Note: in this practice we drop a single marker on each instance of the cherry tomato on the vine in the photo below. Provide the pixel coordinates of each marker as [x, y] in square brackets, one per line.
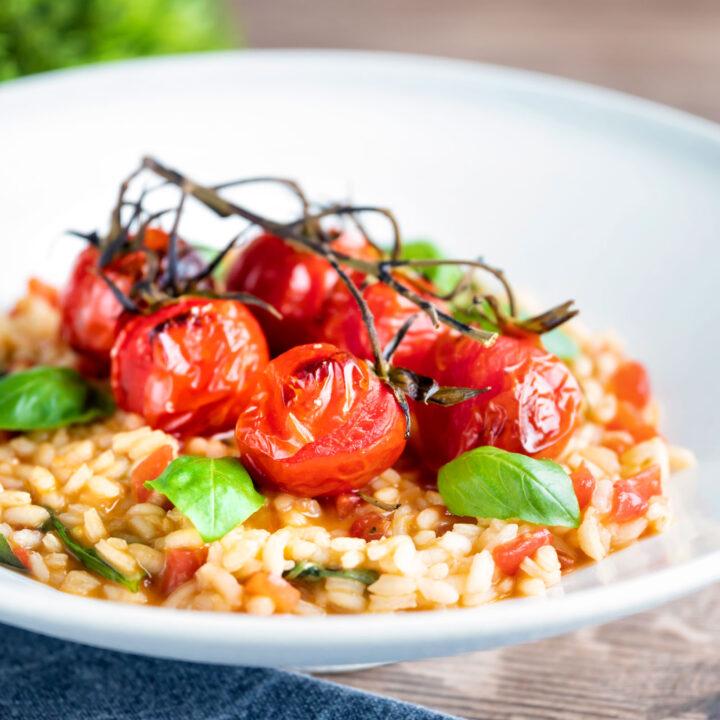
[190, 367]
[531, 406]
[342, 323]
[90, 311]
[320, 423]
[294, 281]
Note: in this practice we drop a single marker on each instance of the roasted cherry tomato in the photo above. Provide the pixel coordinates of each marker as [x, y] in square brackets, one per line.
[630, 382]
[631, 497]
[531, 406]
[320, 423]
[510, 555]
[342, 323]
[90, 311]
[293, 281]
[190, 367]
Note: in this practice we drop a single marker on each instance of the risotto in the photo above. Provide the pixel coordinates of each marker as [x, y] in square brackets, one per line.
[91, 506]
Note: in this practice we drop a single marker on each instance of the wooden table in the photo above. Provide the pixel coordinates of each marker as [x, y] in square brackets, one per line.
[660, 665]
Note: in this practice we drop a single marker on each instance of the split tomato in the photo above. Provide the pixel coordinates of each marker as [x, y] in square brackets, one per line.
[531, 405]
[320, 423]
[90, 311]
[293, 281]
[190, 367]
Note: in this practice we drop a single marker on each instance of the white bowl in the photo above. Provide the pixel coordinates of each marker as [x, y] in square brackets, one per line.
[575, 191]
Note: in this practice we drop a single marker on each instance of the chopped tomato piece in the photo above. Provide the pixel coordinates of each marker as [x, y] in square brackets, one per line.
[282, 593]
[150, 469]
[567, 562]
[47, 292]
[509, 556]
[180, 566]
[630, 418]
[22, 555]
[619, 442]
[370, 526]
[631, 384]
[631, 496]
[346, 503]
[583, 484]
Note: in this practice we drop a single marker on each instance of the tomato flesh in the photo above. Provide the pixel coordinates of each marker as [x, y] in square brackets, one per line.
[631, 497]
[320, 423]
[583, 484]
[630, 383]
[347, 503]
[280, 591]
[630, 418]
[370, 526]
[295, 282]
[150, 469]
[510, 555]
[180, 566]
[531, 407]
[190, 367]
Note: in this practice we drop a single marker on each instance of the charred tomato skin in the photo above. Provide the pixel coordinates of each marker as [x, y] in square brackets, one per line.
[531, 407]
[295, 282]
[342, 323]
[190, 367]
[320, 423]
[90, 313]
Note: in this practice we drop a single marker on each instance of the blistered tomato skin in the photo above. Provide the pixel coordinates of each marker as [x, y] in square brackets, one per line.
[90, 311]
[320, 423]
[531, 406]
[296, 283]
[190, 367]
[342, 323]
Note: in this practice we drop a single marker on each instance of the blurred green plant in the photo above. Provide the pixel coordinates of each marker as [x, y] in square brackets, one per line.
[38, 35]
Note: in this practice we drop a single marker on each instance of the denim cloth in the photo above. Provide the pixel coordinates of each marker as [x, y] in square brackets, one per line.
[46, 679]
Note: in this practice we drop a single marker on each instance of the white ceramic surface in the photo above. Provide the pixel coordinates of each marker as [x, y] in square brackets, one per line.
[575, 191]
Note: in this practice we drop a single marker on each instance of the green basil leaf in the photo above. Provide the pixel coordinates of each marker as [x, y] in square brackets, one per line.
[45, 398]
[444, 277]
[313, 572]
[492, 483]
[216, 494]
[8, 557]
[90, 559]
[560, 344]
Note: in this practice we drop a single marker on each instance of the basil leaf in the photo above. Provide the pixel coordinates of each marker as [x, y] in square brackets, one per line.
[8, 557]
[90, 559]
[216, 494]
[444, 277]
[560, 344]
[45, 398]
[313, 572]
[492, 483]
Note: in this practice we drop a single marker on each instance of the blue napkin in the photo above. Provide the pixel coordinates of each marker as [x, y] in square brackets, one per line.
[46, 679]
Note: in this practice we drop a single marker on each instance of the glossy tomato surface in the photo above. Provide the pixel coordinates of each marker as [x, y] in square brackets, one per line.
[190, 367]
[531, 406]
[320, 423]
[294, 281]
[90, 311]
[342, 323]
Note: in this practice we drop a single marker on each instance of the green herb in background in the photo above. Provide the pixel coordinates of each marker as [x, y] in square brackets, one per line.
[39, 35]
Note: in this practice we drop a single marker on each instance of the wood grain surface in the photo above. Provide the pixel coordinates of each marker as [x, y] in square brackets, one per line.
[664, 664]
